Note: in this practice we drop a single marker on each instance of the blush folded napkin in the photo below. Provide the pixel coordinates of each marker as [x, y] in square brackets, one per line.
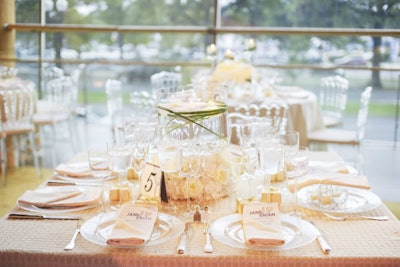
[133, 225]
[261, 224]
[66, 196]
[77, 170]
[332, 178]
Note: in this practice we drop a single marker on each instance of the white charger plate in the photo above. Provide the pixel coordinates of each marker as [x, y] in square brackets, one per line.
[358, 200]
[296, 232]
[98, 229]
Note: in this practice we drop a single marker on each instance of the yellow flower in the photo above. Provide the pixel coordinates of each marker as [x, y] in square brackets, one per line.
[221, 176]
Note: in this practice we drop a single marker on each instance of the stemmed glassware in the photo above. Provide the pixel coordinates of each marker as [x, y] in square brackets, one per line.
[191, 168]
[120, 156]
[270, 158]
[296, 166]
[100, 167]
[250, 163]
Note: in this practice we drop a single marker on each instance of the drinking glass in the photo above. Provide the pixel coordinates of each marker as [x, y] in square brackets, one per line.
[270, 158]
[249, 161]
[120, 156]
[191, 167]
[296, 166]
[290, 141]
[100, 167]
[142, 139]
[170, 161]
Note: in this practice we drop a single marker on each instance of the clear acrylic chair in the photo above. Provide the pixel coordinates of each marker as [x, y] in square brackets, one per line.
[352, 137]
[17, 123]
[333, 99]
[276, 110]
[165, 79]
[56, 112]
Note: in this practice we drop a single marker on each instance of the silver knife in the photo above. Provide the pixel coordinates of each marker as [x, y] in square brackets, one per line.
[57, 182]
[326, 248]
[41, 216]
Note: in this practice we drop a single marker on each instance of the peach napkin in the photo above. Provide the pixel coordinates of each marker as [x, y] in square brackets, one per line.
[133, 225]
[333, 178]
[77, 170]
[262, 225]
[63, 196]
[332, 166]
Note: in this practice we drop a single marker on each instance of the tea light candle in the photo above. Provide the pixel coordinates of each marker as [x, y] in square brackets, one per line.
[229, 54]
[211, 49]
[251, 44]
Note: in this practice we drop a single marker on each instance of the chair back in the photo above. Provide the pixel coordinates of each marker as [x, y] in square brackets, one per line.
[165, 79]
[333, 98]
[17, 107]
[363, 112]
[275, 110]
[235, 122]
[59, 94]
[113, 89]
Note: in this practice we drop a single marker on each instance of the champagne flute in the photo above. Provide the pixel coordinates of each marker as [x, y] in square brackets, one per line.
[296, 166]
[250, 163]
[100, 167]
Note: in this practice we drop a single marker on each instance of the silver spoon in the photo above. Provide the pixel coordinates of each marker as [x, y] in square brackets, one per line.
[71, 244]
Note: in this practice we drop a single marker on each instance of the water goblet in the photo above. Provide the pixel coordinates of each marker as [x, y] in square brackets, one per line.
[120, 156]
[290, 141]
[296, 166]
[170, 161]
[100, 167]
[270, 158]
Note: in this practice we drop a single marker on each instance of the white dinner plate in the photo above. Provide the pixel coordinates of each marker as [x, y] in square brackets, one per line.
[58, 209]
[358, 200]
[296, 232]
[98, 229]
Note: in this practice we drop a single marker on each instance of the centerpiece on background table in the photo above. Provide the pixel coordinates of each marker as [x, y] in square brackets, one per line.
[196, 115]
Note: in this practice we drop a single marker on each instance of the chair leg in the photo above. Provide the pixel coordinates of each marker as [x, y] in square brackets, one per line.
[3, 158]
[35, 153]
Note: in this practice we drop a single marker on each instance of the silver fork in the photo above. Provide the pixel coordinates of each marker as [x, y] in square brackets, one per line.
[342, 218]
[71, 243]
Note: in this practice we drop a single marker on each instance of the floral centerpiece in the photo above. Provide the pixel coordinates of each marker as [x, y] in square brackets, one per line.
[197, 115]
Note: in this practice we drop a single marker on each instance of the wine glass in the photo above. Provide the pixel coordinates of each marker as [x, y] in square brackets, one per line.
[100, 167]
[270, 158]
[191, 167]
[141, 142]
[296, 166]
[120, 156]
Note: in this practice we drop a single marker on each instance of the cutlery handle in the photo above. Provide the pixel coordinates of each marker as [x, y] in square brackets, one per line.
[181, 246]
[71, 243]
[326, 248]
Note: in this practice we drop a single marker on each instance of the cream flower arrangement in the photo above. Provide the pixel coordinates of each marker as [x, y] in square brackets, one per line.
[232, 70]
[216, 180]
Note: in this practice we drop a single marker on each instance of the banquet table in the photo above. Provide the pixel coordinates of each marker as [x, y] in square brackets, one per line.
[40, 242]
[304, 112]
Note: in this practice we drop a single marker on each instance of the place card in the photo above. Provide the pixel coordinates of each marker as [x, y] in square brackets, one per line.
[152, 182]
[262, 224]
[134, 225]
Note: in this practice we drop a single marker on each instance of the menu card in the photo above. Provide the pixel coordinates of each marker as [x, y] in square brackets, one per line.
[262, 224]
[134, 225]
